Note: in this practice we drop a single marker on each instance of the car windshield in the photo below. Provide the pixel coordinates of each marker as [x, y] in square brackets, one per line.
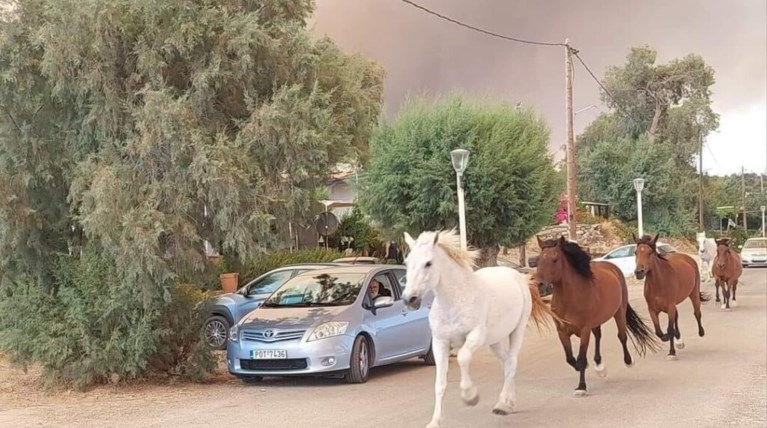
[755, 243]
[326, 289]
[269, 283]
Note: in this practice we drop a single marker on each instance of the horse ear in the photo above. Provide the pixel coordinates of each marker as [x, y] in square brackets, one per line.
[540, 241]
[436, 238]
[562, 240]
[634, 237]
[409, 240]
[655, 239]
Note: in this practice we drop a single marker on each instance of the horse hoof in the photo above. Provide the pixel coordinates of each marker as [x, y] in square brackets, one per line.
[601, 370]
[734, 303]
[630, 364]
[670, 357]
[579, 393]
[724, 306]
[433, 425]
[679, 343]
[503, 409]
[470, 396]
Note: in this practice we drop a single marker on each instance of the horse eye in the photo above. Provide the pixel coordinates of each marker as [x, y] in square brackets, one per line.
[428, 264]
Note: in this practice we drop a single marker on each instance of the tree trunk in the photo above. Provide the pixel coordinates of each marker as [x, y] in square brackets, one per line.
[488, 256]
[522, 256]
[655, 119]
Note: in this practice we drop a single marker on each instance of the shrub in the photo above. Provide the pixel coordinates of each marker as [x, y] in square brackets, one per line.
[275, 259]
[89, 327]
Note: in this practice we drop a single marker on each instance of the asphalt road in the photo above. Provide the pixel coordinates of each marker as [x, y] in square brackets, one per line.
[718, 380]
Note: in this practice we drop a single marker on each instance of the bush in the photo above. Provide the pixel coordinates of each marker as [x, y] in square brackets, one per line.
[89, 327]
[275, 259]
[357, 226]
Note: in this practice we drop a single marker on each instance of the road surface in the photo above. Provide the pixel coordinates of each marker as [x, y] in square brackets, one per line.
[718, 380]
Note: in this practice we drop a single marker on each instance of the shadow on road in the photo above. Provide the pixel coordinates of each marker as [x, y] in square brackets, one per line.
[376, 374]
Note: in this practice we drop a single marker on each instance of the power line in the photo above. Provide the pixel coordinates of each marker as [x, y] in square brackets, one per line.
[471, 27]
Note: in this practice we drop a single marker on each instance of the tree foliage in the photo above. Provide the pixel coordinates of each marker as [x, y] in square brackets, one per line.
[659, 114]
[125, 122]
[509, 185]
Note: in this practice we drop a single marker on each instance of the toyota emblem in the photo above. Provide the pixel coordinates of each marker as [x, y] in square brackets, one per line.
[268, 333]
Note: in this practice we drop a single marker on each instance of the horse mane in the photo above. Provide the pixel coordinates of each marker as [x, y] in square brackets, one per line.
[648, 240]
[579, 259]
[450, 242]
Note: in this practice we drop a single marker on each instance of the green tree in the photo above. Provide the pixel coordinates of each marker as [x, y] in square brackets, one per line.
[659, 114]
[510, 189]
[142, 128]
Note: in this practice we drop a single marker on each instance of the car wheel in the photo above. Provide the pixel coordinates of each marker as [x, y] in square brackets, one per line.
[359, 365]
[216, 332]
[429, 357]
[250, 380]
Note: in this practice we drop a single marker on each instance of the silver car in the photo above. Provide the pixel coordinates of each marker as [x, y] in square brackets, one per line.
[325, 322]
[754, 252]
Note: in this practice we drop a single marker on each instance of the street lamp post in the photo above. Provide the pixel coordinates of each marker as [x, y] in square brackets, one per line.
[460, 159]
[639, 186]
[762, 208]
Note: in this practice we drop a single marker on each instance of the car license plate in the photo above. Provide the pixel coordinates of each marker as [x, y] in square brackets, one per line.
[269, 354]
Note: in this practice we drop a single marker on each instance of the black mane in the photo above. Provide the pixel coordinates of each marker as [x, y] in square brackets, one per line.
[578, 259]
[650, 242]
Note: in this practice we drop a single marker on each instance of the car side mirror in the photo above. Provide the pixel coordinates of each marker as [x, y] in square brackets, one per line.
[383, 302]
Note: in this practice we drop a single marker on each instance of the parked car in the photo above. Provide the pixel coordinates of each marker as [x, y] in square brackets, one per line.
[324, 322]
[358, 260]
[753, 252]
[226, 310]
[624, 258]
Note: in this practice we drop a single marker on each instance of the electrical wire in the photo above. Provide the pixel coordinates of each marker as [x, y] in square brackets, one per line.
[471, 27]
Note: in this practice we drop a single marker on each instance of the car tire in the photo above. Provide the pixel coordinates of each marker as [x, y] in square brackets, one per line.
[216, 330]
[429, 357]
[359, 363]
[251, 380]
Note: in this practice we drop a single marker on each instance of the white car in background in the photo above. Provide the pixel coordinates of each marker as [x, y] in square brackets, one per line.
[754, 252]
[624, 258]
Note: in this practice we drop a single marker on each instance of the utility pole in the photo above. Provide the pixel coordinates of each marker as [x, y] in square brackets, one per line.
[570, 141]
[700, 183]
[743, 187]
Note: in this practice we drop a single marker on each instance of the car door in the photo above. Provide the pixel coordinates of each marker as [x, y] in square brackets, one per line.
[416, 323]
[623, 257]
[387, 322]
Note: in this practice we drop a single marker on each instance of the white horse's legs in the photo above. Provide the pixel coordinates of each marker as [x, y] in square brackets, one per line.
[474, 341]
[508, 352]
[441, 351]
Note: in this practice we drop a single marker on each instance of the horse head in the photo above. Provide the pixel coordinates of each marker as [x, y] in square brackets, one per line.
[645, 253]
[549, 267]
[555, 258]
[430, 256]
[723, 252]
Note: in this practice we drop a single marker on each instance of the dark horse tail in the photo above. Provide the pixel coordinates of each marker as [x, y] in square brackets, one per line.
[641, 335]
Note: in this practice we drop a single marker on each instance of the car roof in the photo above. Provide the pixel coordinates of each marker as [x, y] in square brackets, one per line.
[346, 268]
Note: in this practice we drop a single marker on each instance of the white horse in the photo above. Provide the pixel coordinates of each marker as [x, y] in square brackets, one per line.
[706, 254]
[491, 306]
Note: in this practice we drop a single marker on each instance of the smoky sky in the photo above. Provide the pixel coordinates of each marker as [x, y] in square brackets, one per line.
[425, 55]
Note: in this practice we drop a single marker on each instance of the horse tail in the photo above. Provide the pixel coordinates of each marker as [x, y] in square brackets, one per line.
[641, 335]
[540, 311]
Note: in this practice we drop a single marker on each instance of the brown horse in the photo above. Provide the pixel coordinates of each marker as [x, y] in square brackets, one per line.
[726, 270]
[669, 279]
[586, 295]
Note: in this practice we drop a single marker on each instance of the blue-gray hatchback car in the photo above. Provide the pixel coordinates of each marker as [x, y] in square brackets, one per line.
[333, 321]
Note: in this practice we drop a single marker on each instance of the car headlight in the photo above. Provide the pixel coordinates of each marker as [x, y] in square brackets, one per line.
[329, 329]
[234, 333]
